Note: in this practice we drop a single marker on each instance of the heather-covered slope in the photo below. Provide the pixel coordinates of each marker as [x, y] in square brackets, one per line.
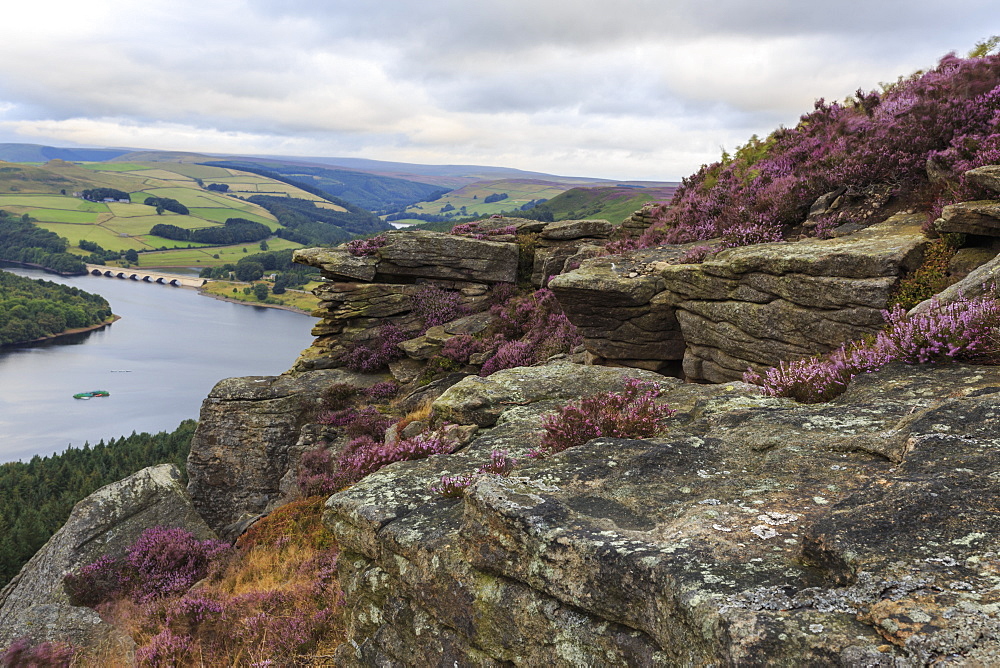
[909, 144]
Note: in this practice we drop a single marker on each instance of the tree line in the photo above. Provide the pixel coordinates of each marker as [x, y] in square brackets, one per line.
[167, 204]
[307, 224]
[234, 231]
[22, 242]
[37, 496]
[31, 309]
[100, 194]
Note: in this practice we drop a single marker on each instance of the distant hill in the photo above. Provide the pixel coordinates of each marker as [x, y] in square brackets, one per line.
[613, 203]
[369, 191]
[47, 196]
[39, 153]
[517, 196]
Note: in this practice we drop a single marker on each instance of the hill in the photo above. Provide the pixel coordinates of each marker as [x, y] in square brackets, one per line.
[211, 195]
[613, 203]
[40, 153]
[369, 191]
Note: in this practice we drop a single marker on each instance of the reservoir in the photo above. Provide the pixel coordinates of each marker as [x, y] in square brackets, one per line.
[158, 362]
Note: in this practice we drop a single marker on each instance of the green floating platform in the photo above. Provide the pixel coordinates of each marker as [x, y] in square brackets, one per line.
[93, 393]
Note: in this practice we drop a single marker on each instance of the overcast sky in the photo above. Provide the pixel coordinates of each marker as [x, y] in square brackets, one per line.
[621, 89]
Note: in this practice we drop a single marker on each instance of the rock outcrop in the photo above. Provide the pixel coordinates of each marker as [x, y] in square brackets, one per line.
[980, 217]
[753, 531]
[565, 244]
[247, 441]
[34, 603]
[747, 306]
[364, 293]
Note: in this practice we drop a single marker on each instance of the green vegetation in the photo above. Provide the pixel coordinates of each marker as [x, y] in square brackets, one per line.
[22, 242]
[36, 497]
[166, 204]
[235, 230]
[32, 309]
[308, 224]
[613, 203]
[101, 194]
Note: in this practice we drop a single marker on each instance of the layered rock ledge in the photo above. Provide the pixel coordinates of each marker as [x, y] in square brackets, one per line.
[747, 306]
[754, 531]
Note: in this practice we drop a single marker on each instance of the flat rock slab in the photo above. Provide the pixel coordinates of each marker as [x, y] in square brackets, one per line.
[419, 253]
[981, 217]
[879, 250]
[754, 531]
[987, 176]
[577, 229]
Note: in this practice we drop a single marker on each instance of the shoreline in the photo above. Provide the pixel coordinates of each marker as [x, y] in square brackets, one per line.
[282, 307]
[69, 332]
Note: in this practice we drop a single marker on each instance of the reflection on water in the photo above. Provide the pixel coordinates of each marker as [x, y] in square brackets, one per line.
[174, 345]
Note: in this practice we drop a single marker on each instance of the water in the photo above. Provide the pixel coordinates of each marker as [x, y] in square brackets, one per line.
[158, 362]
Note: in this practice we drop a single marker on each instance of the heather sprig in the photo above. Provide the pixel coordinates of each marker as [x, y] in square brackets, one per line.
[631, 413]
[369, 246]
[364, 456]
[963, 330]
[23, 653]
[162, 562]
[436, 306]
[377, 353]
[529, 328]
[500, 464]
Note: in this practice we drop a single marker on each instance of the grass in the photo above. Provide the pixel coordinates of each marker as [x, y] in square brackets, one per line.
[62, 202]
[203, 257]
[61, 216]
[222, 215]
[137, 225]
[303, 301]
[114, 166]
[278, 578]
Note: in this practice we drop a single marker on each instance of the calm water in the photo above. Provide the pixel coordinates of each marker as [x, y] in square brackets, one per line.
[158, 362]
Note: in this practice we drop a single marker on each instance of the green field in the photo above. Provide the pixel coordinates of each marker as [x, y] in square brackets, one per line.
[62, 202]
[114, 166]
[136, 225]
[104, 237]
[194, 257]
[222, 215]
[519, 193]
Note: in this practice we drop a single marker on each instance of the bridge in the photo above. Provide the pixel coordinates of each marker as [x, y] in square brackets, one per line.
[145, 276]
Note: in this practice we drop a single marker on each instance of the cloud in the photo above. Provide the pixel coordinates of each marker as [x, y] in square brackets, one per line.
[627, 89]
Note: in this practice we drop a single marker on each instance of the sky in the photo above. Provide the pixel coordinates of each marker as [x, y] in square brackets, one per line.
[617, 89]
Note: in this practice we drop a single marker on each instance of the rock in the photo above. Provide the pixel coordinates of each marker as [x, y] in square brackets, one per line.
[35, 604]
[480, 401]
[981, 217]
[877, 251]
[419, 253]
[980, 281]
[967, 260]
[987, 176]
[753, 531]
[565, 230]
[752, 305]
[241, 449]
[337, 263]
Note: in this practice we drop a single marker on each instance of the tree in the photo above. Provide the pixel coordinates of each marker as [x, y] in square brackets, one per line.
[260, 291]
[132, 256]
[280, 283]
[249, 271]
